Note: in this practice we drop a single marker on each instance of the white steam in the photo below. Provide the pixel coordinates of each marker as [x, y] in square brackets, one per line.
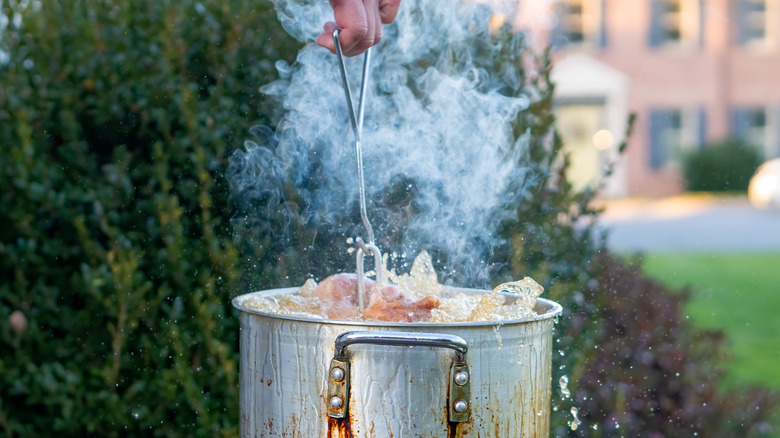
[433, 116]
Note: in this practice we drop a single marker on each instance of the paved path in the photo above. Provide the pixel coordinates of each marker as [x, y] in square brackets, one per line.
[690, 223]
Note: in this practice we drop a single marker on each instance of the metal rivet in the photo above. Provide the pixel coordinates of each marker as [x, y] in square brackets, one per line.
[460, 406]
[336, 402]
[337, 374]
[461, 378]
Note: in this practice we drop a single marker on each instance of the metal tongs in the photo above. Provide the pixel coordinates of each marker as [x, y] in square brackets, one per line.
[363, 248]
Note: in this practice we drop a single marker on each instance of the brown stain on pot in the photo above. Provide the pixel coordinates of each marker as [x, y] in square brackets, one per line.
[339, 428]
[342, 428]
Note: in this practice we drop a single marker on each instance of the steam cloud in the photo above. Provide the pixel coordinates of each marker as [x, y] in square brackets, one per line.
[434, 117]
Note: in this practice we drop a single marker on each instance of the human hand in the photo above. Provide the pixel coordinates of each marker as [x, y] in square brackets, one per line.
[360, 23]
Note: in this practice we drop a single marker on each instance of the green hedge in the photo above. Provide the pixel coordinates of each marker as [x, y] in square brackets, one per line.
[725, 166]
[117, 119]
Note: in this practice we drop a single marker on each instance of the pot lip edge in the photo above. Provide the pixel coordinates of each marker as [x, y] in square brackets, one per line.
[554, 311]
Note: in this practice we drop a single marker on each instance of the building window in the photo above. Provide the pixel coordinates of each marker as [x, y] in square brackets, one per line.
[752, 21]
[749, 125]
[676, 23]
[580, 24]
[673, 132]
[758, 127]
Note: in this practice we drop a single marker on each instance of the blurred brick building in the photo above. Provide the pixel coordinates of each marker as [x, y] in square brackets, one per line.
[693, 71]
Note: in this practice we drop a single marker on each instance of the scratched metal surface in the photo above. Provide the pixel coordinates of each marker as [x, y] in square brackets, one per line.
[395, 391]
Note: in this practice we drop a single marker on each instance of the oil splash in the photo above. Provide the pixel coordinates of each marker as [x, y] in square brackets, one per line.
[563, 384]
[575, 422]
[507, 301]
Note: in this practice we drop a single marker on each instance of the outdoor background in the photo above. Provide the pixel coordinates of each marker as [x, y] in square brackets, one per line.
[122, 241]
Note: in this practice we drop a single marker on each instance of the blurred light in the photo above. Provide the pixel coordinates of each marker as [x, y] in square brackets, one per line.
[496, 22]
[764, 189]
[603, 140]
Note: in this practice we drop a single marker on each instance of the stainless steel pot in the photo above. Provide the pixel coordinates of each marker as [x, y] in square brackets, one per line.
[308, 377]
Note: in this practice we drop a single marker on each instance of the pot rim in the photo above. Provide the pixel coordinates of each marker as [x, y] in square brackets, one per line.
[550, 309]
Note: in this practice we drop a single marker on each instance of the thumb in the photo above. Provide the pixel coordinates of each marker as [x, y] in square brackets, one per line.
[388, 9]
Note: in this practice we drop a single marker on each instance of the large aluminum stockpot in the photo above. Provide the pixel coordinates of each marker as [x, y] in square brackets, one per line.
[309, 377]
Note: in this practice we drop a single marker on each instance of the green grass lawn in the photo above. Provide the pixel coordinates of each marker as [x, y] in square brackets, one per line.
[738, 293]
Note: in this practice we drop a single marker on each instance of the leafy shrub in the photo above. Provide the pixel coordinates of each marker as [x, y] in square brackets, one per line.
[116, 258]
[653, 374]
[721, 167]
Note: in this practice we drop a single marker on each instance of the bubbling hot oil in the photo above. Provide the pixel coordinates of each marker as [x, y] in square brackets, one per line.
[507, 301]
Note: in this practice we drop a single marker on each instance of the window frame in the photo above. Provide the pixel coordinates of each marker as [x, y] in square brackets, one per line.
[744, 130]
[691, 134]
[770, 13]
[690, 20]
[592, 24]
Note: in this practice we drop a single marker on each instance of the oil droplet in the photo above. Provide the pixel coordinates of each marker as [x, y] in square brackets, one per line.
[563, 384]
[499, 340]
[575, 423]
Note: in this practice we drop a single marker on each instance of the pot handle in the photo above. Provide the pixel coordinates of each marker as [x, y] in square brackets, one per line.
[459, 387]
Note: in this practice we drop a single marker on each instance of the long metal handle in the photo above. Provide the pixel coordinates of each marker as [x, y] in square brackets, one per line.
[357, 125]
[459, 387]
[357, 128]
